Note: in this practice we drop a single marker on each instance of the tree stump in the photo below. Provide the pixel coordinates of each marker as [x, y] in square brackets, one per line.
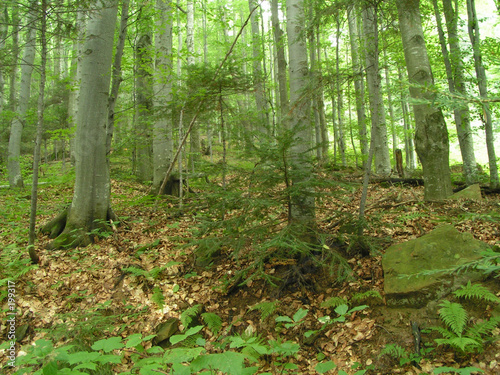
[399, 163]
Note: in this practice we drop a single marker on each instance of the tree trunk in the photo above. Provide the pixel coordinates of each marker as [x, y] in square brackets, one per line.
[302, 211]
[456, 83]
[163, 145]
[338, 89]
[3, 37]
[144, 105]
[359, 89]
[431, 135]
[279, 41]
[90, 207]
[194, 136]
[377, 110]
[39, 132]
[482, 83]
[16, 129]
[260, 99]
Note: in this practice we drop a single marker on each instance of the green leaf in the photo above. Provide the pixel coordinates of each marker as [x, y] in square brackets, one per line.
[325, 367]
[176, 288]
[280, 319]
[108, 345]
[109, 358]
[191, 331]
[342, 309]
[80, 357]
[300, 314]
[133, 340]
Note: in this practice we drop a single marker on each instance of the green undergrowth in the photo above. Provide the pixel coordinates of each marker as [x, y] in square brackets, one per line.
[86, 351]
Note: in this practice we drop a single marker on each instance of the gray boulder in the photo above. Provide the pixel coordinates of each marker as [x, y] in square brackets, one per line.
[444, 248]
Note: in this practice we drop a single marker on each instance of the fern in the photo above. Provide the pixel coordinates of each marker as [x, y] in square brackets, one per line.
[476, 291]
[158, 297]
[266, 308]
[213, 322]
[393, 350]
[333, 302]
[189, 315]
[454, 316]
[358, 297]
[478, 330]
[465, 344]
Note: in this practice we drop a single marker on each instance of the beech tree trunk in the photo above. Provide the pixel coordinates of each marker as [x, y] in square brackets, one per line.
[90, 207]
[302, 210]
[482, 84]
[279, 41]
[456, 83]
[163, 146]
[377, 110]
[16, 128]
[359, 88]
[431, 135]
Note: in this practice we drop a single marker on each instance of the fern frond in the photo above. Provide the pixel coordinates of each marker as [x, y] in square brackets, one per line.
[333, 302]
[158, 297]
[444, 332]
[189, 314]
[365, 295]
[476, 291]
[478, 330]
[213, 322]
[393, 350]
[454, 316]
[465, 344]
[266, 308]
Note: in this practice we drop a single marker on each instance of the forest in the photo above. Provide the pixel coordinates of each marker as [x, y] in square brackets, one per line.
[249, 187]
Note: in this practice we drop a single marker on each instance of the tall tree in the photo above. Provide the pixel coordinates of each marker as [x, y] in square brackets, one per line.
[163, 146]
[431, 134]
[16, 128]
[90, 207]
[279, 41]
[260, 98]
[377, 110]
[359, 88]
[482, 84]
[456, 83]
[302, 210]
[144, 96]
[3, 38]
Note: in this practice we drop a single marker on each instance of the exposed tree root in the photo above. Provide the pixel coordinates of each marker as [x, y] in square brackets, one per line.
[67, 237]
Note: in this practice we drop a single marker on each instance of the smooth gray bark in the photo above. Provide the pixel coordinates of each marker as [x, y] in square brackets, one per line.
[456, 84]
[90, 206]
[302, 210]
[482, 84]
[377, 109]
[194, 136]
[16, 128]
[359, 88]
[144, 106]
[431, 134]
[163, 145]
[257, 57]
[279, 41]
[3, 35]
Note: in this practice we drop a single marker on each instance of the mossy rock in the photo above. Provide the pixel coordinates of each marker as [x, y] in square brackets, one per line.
[411, 269]
[470, 192]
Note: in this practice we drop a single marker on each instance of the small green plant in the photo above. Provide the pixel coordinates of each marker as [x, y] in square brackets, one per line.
[457, 334]
[459, 371]
[266, 308]
[404, 357]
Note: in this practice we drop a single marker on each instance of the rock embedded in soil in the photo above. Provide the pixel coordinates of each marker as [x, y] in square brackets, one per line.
[407, 280]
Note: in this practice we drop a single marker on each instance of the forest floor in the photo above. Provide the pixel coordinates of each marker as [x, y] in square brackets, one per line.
[85, 294]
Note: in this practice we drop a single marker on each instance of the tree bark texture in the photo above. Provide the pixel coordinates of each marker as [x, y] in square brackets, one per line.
[302, 210]
[16, 129]
[359, 88]
[456, 83]
[482, 84]
[163, 146]
[431, 134]
[377, 110]
[90, 207]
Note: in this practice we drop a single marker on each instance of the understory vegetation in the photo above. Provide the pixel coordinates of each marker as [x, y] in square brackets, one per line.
[205, 283]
